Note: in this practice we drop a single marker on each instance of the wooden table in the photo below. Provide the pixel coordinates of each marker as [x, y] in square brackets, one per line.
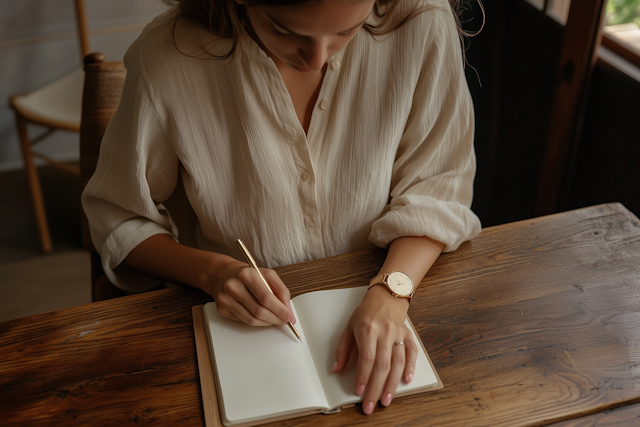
[530, 323]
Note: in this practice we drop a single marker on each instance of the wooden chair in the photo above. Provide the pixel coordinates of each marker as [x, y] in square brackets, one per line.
[55, 106]
[103, 85]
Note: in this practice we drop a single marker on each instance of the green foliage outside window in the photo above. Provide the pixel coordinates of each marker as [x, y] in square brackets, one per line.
[623, 12]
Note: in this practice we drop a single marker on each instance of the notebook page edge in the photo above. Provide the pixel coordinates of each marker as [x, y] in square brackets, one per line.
[239, 422]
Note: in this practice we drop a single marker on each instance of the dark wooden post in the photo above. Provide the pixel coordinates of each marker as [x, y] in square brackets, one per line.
[582, 37]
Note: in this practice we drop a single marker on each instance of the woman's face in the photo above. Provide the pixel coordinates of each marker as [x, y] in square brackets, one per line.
[305, 36]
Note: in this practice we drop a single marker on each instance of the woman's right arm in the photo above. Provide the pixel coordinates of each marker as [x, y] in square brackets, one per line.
[237, 288]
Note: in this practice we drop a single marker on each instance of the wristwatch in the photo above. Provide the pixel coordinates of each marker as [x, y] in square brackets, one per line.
[399, 283]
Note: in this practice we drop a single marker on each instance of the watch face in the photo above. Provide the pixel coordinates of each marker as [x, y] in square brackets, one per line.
[400, 283]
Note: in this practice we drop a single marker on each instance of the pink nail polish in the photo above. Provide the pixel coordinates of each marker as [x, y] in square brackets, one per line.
[368, 408]
[360, 390]
[335, 365]
[409, 378]
[386, 399]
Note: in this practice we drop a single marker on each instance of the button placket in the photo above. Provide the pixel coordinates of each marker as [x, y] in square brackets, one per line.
[334, 65]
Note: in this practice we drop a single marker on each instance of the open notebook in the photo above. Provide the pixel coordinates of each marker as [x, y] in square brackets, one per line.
[266, 374]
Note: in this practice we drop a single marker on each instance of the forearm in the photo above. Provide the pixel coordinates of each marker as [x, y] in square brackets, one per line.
[377, 327]
[164, 259]
[413, 256]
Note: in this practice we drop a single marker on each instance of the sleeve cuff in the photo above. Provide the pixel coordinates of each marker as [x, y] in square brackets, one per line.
[120, 243]
[447, 222]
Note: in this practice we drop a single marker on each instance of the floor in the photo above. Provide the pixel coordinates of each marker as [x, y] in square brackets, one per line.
[32, 282]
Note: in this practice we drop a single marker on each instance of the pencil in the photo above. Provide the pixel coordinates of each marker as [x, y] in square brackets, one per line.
[252, 263]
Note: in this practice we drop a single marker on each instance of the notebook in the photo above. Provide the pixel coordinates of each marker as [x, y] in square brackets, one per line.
[264, 374]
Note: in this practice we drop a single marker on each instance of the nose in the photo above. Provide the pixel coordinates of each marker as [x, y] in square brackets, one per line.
[314, 54]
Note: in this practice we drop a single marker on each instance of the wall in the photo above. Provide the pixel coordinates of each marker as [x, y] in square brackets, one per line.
[38, 44]
[607, 157]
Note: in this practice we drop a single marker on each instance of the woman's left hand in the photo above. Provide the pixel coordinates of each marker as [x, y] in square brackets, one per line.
[376, 328]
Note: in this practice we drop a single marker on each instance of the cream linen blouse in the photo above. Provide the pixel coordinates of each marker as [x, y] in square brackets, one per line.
[389, 151]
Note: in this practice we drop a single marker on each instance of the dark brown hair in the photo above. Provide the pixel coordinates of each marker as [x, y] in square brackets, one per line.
[225, 18]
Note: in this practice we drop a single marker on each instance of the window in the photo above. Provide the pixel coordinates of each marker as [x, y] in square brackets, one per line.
[557, 9]
[621, 32]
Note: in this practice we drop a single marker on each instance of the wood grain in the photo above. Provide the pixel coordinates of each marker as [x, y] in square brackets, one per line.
[627, 416]
[529, 324]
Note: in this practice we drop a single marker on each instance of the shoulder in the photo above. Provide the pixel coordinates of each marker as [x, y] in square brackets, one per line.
[430, 24]
[168, 45]
[433, 19]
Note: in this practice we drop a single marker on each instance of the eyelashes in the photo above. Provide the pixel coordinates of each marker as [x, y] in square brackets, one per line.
[280, 34]
[275, 31]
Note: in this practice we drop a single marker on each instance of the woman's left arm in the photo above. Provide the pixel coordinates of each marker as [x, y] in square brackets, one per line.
[431, 189]
[378, 323]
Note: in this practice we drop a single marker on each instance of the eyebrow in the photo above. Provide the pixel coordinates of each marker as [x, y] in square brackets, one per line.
[292, 32]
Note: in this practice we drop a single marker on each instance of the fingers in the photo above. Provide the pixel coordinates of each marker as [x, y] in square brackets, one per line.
[247, 298]
[232, 309]
[401, 355]
[412, 356]
[381, 368]
[345, 348]
[379, 375]
[281, 292]
[366, 339]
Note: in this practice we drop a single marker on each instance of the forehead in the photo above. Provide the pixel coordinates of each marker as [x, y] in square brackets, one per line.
[319, 17]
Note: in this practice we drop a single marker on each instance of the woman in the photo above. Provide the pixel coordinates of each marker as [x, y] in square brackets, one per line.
[297, 131]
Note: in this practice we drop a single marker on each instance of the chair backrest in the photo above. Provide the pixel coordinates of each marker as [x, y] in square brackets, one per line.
[103, 85]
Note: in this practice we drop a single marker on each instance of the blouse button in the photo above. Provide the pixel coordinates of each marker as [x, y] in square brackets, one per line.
[308, 222]
[324, 104]
[306, 176]
[335, 64]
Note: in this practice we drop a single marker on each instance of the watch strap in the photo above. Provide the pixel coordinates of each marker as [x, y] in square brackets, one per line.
[380, 278]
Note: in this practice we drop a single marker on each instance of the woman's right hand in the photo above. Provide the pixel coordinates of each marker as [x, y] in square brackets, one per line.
[241, 295]
[239, 292]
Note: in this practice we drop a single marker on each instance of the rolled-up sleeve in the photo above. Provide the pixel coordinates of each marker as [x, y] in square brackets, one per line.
[137, 170]
[433, 172]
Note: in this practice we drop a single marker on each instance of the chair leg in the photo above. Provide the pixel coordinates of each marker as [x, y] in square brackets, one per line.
[34, 184]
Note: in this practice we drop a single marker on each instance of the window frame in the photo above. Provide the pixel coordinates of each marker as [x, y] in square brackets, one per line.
[621, 49]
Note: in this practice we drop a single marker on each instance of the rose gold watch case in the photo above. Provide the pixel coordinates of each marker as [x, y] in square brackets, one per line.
[395, 281]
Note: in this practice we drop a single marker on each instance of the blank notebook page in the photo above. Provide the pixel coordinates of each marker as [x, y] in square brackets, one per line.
[262, 370]
[325, 315]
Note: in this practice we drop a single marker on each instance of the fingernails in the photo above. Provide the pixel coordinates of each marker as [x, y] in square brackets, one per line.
[291, 319]
[386, 399]
[409, 378]
[335, 365]
[360, 390]
[367, 408]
